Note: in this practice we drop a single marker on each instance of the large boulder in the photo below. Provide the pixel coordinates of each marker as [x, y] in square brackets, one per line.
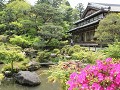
[27, 78]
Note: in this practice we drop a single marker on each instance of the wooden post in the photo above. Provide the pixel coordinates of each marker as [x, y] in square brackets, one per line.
[85, 36]
[95, 47]
[89, 47]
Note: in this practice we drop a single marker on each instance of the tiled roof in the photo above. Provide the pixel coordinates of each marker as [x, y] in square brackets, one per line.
[101, 7]
[111, 7]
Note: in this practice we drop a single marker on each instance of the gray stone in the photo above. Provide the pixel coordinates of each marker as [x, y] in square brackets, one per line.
[53, 55]
[68, 57]
[1, 62]
[7, 73]
[27, 78]
[33, 66]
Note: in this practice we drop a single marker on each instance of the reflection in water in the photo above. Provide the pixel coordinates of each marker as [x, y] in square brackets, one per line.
[45, 85]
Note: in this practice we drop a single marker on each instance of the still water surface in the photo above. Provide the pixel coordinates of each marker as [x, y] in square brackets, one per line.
[45, 85]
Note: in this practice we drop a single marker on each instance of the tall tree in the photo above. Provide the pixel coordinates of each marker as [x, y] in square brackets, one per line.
[2, 5]
[108, 30]
[80, 8]
[13, 14]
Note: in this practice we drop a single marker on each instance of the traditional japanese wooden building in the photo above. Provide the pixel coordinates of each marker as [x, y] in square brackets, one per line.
[84, 30]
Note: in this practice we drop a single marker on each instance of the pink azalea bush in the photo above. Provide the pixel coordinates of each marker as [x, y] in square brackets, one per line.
[105, 75]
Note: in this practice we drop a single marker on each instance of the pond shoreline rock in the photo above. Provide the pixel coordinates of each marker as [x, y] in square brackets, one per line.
[1, 62]
[33, 66]
[27, 78]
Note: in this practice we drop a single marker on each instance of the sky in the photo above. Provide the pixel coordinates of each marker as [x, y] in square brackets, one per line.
[73, 3]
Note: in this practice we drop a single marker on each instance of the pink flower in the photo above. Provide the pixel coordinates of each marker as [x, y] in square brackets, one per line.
[100, 77]
[117, 79]
[85, 87]
[108, 60]
[105, 75]
[73, 75]
[96, 86]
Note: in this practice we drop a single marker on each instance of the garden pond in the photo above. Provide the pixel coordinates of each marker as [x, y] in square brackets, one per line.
[45, 85]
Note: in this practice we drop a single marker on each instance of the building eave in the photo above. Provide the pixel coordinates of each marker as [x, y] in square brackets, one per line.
[80, 27]
[100, 11]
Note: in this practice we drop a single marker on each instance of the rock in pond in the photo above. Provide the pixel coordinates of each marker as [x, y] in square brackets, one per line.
[27, 78]
[33, 66]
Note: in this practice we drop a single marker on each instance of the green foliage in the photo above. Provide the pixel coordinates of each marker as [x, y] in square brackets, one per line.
[17, 67]
[9, 47]
[62, 71]
[19, 5]
[8, 56]
[80, 9]
[43, 56]
[20, 41]
[113, 51]
[56, 51]
[108, 30]
[2, 27]
[54, 43]
[50, 31]
[10, 53]
[69, 50]
[1, 77]
[88, 57]
[50, 34]
[46, 13]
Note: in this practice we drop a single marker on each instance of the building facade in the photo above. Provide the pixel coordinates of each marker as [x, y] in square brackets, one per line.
[84, 30]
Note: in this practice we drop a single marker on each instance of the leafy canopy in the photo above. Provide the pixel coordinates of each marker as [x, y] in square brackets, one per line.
[108, 30]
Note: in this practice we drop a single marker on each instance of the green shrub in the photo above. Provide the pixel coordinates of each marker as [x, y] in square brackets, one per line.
[1, 77]
[69, 50]
[88, 57]
[63, 43]
[8, 56]
[73, 49]
[62, 71]
[20, 41]
[43, 56]
[65, 49]
[78, 55]
[9, 47]
[56, 51]
[16, 67]
[113, 51]
[54, 42]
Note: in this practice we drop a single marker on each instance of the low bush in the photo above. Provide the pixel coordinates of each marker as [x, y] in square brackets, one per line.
[16, 67]
[56, 51]
[43, 56]
[113, 50]
[20, 41]
[69, 50]
[8, 56]
[62, 71]
[1, 77]
[9, 47]
[88, 57]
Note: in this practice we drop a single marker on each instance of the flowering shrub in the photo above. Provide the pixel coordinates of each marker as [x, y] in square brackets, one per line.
[105, 75]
